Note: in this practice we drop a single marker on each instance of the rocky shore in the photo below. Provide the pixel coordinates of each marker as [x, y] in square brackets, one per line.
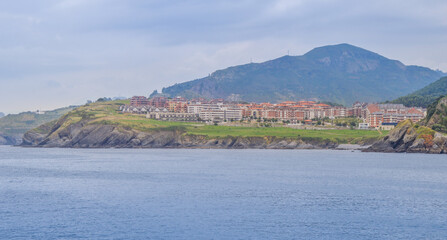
[84, 135]
[9, 140]
[411, 138]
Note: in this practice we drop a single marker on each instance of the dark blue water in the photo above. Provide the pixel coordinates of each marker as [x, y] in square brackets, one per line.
[221, 194]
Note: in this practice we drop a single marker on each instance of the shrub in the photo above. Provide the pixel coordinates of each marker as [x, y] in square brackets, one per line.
[428, 140]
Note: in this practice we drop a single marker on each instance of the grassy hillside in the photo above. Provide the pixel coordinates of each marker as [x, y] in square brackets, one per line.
[107, 113]
[425, 96]
[17, 124]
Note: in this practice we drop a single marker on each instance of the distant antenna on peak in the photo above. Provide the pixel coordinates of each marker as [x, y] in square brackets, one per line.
[288, 53]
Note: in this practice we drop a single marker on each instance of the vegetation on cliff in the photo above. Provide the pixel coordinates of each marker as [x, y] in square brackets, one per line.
[437, 115]
[412, 138]
[424, 137]
[13, 126]
[22, 122]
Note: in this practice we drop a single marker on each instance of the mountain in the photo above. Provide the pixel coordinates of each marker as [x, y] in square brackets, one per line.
[13, 126]
[2, 114]
[338, 73]
[426, 95]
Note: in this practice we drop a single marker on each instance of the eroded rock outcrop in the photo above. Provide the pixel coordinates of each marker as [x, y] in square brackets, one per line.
[411, 138]
[85, 135]
[9, 140]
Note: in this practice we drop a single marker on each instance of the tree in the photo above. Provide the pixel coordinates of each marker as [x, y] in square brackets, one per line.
[104, 99]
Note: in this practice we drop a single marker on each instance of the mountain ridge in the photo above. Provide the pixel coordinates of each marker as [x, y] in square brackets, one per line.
[340, 73]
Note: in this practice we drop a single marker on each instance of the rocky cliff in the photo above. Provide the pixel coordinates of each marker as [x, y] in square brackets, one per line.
[411, 138]
[437, 115]
[13, 126]
[9, 140]
[85, 135]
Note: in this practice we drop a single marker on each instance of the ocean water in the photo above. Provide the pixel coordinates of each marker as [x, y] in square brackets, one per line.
[220, 194]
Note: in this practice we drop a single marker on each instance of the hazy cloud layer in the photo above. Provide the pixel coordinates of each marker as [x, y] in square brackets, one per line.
[57, 53]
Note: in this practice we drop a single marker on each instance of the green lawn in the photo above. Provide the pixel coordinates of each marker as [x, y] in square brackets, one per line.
[333, 135]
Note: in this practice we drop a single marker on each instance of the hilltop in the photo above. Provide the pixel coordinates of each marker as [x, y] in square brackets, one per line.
[425, 96]
[338, 73]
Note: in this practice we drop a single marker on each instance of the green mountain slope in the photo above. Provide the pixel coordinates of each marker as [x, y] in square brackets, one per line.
[17, 124]
[425, 96]
[338, 73]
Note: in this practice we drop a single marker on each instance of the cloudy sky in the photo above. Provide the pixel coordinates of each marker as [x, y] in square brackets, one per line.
[56, 53]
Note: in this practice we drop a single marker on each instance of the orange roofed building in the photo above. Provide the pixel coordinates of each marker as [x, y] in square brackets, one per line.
[378, 114]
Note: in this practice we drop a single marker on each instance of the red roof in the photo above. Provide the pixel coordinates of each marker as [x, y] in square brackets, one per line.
[322, 105]
[414, 111]
[373, 108]
[288, 102]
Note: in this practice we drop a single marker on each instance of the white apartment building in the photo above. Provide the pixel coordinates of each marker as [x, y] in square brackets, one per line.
[223, 113]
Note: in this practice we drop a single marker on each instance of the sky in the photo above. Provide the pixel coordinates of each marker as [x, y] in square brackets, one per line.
[55, 53]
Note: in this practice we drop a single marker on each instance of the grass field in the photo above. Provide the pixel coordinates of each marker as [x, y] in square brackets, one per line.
[107, 113]
[332, 135]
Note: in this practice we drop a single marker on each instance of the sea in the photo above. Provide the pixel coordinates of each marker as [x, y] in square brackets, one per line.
[220, 194]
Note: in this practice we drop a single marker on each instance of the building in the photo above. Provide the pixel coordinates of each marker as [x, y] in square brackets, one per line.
[139, 101]
[158, 102]
[224, 114]
[363, 126]
[387, 126]
[379, 114]
[373, 115]
[177, 106]
[170, 116]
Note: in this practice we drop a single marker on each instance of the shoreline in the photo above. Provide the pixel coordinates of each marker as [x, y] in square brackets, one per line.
[347, 147]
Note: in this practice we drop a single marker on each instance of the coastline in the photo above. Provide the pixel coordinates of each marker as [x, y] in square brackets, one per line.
[342, 147]
[84, 135]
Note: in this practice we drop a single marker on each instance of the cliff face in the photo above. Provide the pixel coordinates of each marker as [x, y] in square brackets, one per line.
[437, 115]
[84, 135]
[411, 138]
[9, 140]
[13, 126]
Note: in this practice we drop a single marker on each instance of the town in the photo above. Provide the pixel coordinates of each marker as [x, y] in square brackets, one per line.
[368, 115]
